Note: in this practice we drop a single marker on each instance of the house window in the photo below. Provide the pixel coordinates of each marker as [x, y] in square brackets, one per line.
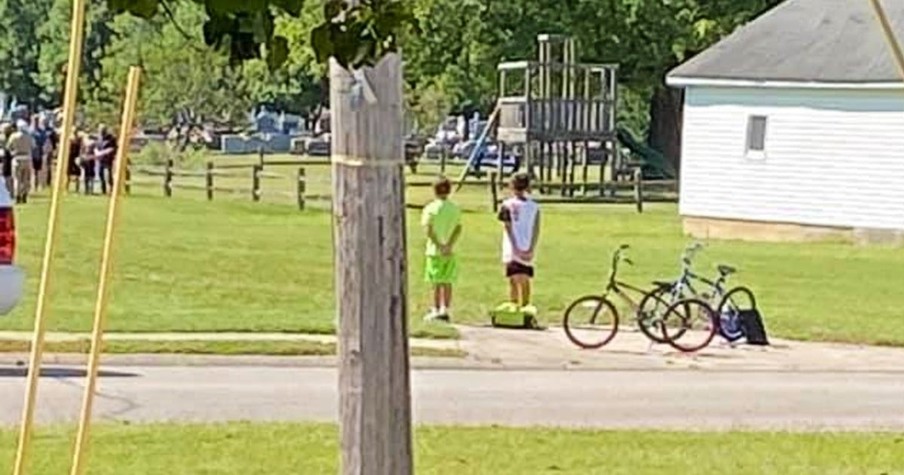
[756, 136]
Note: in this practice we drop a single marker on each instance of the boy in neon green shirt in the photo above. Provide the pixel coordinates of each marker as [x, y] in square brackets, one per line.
[442, 224]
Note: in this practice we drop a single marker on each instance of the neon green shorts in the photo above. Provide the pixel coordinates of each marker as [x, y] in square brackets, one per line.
[441, 270]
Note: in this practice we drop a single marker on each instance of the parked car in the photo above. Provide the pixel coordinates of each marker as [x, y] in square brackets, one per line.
[12, 279]
[319, 146]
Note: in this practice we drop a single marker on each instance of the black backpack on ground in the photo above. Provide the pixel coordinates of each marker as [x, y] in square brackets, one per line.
[754, 329]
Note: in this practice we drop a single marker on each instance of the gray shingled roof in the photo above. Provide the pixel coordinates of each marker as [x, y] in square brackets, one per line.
[805, 40]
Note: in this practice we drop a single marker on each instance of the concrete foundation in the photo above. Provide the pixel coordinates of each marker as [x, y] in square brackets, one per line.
[715, 228]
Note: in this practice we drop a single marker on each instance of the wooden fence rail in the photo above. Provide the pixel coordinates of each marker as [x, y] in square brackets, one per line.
[637, 186]
[257, 175]
[635, 190]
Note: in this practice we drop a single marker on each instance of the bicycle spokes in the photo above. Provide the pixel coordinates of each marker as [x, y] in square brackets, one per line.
[689, 325]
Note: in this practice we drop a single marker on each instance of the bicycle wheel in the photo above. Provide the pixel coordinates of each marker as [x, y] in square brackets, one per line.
[697, 321]
[651, 315]
[591, 322]
[729, 313]
[651, 312]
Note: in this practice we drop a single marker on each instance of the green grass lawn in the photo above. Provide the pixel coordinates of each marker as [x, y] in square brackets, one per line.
[184, 264]
[275, 449]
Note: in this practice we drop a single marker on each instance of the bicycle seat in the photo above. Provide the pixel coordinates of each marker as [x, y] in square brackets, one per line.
[662, 284]
[726, 270]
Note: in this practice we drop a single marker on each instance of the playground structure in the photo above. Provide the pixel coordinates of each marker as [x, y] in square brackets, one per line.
[559, 114]
[559, 118]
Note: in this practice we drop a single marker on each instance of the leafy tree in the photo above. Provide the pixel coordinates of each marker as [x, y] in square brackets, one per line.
[20, 47]
[298, 86]
[181, 73]
[53, 35]
[452, 60]
[354, 35]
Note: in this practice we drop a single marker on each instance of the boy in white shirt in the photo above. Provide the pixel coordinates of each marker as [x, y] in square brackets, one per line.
[520, 216]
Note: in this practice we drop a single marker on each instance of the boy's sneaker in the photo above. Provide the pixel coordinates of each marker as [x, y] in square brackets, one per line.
[436, 316]
[529, 310]
[444, 315]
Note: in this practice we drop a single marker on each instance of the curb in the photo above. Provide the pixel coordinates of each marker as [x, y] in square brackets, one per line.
[20, 360]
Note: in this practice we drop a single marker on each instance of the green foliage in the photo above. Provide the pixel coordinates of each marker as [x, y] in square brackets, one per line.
[298, 86]
[20, 47]
[53, 36]
[180, 72]
[355, 35]
[359, 35]
[451, 48]
[157, 154]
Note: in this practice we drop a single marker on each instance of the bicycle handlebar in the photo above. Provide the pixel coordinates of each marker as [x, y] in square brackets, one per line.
[690, 251]
[617, 257]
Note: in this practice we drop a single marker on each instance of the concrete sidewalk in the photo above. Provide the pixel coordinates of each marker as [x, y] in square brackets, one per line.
[630, 349]
[489, 348]
[442, 344]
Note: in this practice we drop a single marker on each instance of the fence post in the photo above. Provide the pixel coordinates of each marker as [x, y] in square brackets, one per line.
[442, 162]
[500, 156]
[209, 177]
[127, 185]
[256, 182]
[638, 189]
[168, 179]
[302, 188]
[260, 156]
[494, 191]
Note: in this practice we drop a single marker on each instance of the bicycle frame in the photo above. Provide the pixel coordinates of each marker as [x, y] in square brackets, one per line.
[688, 277]
[617, 287]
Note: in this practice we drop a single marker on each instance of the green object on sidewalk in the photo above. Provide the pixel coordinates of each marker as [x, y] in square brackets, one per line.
[508, 315]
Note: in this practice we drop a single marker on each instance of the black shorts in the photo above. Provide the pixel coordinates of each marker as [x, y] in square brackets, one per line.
[37, 163]
[88, 168]
[74, 168]
[517, 268]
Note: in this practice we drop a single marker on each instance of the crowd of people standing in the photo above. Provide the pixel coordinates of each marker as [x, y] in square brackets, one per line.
[28, 152]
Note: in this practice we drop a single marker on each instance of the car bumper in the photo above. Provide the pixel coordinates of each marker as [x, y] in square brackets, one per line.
[12, 285]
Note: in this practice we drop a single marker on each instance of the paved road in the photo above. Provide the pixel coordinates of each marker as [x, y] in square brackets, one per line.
[612, 399]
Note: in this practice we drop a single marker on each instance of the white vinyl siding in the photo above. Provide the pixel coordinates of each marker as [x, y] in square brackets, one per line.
[834, 157]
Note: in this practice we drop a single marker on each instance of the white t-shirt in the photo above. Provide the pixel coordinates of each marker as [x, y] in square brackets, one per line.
[522, 214]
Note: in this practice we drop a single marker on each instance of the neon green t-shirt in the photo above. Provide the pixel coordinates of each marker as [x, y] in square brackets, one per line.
[444, 216]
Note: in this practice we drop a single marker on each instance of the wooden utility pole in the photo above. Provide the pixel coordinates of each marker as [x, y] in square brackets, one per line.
[371, 267]
[888, 32]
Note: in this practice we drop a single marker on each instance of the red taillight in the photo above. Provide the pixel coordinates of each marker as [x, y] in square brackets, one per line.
[7, 236]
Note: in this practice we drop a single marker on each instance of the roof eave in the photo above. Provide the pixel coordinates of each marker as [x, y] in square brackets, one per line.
[683, 81]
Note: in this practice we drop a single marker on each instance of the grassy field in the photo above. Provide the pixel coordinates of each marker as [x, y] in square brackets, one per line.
[185, 264]
[245, 449]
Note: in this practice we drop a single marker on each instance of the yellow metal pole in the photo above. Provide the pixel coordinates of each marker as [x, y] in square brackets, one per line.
[76, 34]
[893, 44]
[100, 307]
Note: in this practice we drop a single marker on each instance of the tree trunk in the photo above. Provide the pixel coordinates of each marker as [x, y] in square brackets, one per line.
[371, 266]
[666, 111]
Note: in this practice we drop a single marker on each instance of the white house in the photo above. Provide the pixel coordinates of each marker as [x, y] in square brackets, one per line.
[794, 127]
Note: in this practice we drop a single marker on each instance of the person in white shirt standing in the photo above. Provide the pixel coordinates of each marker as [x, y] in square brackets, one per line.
[520, 216]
